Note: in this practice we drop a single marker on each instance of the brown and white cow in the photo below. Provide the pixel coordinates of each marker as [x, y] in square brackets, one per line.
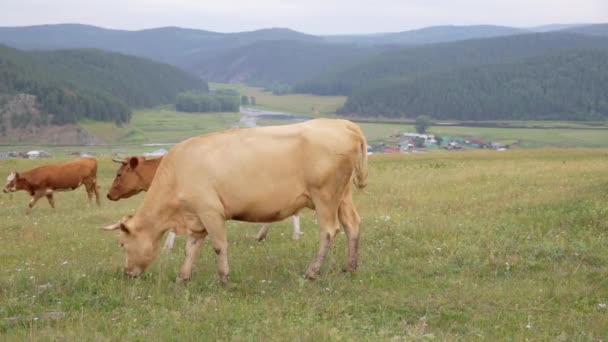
[135, 175]
[44, 180]
[261, 174]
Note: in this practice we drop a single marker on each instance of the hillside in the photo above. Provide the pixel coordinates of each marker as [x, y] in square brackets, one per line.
[266, 62]
[201, 51]
[429, 35]
[177, 46]
[559, 86]
[70, 85]
[595, 30]
[412, 62]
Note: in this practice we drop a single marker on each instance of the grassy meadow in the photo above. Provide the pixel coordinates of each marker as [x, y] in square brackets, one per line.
[302, 104]
[472, 245]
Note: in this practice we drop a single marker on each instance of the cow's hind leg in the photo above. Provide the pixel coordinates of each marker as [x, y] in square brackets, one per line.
[263, 232]
[91, 188]
[327, 215]
[193, 245]
[350, 220]
[49, 197]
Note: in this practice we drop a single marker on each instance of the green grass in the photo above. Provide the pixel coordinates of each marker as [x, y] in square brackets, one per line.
[303, 104]
[475, 245]
[162, 124]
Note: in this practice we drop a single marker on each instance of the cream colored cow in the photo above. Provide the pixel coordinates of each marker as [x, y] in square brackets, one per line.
[263, 174]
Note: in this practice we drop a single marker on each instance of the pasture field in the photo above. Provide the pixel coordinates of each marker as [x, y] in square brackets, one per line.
[162, 124]
[528, 137]
[472, 245]
[303, 104]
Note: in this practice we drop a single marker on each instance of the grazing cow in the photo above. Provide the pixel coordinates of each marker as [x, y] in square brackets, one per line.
[135, 175]
[261, 174]
[44, 180]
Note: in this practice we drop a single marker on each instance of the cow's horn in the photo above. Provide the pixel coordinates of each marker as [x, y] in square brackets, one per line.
[121, 161]
[111, 227]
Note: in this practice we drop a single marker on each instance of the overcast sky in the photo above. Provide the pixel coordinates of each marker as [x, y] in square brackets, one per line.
[310, 16]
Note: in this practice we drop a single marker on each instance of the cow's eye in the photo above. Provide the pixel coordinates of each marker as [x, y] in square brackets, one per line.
[122, 244]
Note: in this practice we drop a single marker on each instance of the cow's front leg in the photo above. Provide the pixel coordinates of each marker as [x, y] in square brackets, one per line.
[169, 241]
[35, 197]
[216, 227]
[193, 245]
[296, 227]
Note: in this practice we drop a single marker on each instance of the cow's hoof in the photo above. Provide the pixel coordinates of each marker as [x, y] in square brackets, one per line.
[182, 279]
[349, 269]
[224, 279]
[311, 276]
[261, 238]
[296, 236]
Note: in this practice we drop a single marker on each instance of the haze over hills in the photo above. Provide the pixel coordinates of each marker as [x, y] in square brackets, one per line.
[191, 49]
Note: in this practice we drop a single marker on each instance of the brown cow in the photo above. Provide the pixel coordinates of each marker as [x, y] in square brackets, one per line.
[136, 174]
[261, 174]
[44, 180]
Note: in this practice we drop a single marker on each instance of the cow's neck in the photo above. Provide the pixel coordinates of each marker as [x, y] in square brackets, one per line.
[149, 171]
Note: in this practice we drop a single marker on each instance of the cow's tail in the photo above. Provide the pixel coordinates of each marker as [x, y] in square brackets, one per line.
[361, 163]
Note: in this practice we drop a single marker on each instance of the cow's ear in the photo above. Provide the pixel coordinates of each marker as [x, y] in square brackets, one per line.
[16, 175]
[133, 162]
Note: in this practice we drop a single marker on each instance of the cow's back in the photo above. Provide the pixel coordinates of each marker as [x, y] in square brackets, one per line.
[68, 175]
[269, 170]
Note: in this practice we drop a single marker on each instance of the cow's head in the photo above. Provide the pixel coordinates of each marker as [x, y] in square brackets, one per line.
[139, 244]
[12, 183]
[128, 180]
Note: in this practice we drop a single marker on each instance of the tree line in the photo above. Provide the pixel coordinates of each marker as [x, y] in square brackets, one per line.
[203, 102]
[71, 85]
[558, 86]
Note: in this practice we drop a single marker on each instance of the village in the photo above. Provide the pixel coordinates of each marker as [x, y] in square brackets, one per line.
[419, 143]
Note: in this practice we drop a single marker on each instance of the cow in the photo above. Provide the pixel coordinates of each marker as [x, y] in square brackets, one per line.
[135, 175]
[43, 181]
[261, 174]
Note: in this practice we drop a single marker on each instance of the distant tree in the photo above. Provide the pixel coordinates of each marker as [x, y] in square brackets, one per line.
[439, 140]
[423, 122]
[419, 141]
[252, 100]
[245, 100]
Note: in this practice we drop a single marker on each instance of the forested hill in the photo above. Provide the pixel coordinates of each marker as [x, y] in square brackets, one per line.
[429, 35]
[246, 56]
[267, 62]
[559, 86]
[413, 62]
[73, 84]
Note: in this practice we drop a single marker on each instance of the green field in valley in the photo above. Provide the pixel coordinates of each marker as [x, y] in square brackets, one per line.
[476, 245]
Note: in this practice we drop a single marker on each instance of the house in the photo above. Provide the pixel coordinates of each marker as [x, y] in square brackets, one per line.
[158, 153]
[391, 150]
[37, 154]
